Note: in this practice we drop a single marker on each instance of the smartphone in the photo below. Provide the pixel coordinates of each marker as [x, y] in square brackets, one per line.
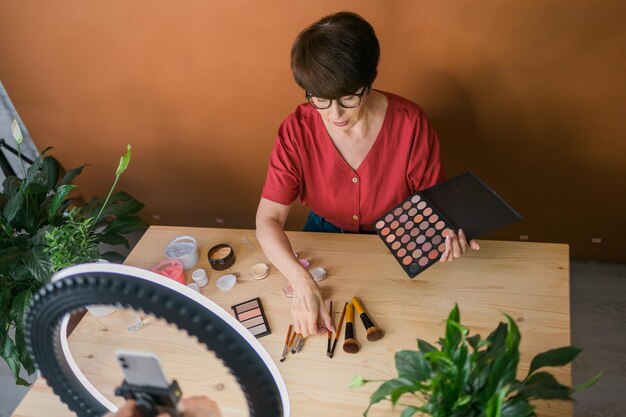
[142, 369]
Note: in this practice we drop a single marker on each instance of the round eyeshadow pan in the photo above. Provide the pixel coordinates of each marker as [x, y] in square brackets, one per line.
[433, 218]
[401, 252]
[412, 212]
[421, 205]
[395, 245]
[445, 232]
[411, 246]
[417, 253]
[426, 246]
[437, 240]
[442, 248]
[423, 261]
[409, 225]
[405, 238]
[380, 224]
[415, 199]
[430, 232]
[433, 254]
[390, 238]
[400, 231]
[406, 205]
[397, 211]
[403, 218]
[421, 239]
[440, 224]
[394, 224]
[414, 232]
[427, 211]
[407, 260]
[385, 231]
[389, 218]
[424, 225]
[418, 218]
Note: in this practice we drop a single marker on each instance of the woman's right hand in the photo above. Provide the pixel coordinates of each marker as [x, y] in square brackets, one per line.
[308, 311]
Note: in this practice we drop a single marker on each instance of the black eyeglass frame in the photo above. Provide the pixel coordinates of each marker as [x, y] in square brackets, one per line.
[360, 95]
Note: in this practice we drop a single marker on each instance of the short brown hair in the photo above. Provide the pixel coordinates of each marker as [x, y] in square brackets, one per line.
[336, 56]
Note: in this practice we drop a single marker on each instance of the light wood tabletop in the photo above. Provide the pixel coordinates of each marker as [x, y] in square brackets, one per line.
[529, 281]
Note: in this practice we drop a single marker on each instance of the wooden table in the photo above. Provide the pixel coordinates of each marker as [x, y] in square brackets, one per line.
[529, 281]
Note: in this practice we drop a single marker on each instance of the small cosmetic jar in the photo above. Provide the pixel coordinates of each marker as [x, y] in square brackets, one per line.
[185, 249]
[172, 269]
[221, 257]
[260, 271]
[200, 278]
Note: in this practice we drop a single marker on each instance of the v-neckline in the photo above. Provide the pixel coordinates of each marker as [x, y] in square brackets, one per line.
[338, 155]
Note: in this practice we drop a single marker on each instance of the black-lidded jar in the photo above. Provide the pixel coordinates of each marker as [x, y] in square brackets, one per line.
[221, 257]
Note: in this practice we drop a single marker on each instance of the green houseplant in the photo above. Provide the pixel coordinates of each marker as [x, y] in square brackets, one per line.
[472, 377]
[30, 207]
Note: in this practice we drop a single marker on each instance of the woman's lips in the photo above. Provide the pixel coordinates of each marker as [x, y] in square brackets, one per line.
[340, 124]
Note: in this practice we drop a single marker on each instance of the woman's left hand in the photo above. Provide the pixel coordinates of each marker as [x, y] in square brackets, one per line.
[456, 246]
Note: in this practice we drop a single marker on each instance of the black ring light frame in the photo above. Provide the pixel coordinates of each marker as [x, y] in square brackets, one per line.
[73, 288]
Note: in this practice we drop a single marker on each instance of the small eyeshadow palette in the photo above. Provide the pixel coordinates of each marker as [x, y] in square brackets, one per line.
[250, 313]
[415, 230]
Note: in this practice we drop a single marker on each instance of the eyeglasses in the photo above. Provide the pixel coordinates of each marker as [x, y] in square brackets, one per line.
[347, 102]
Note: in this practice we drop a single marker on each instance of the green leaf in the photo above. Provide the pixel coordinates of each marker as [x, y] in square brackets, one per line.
[71, 174]
[395, 387]
[357, 382]
[18, 307]
[494, 406]
[119, 205]
[555, 357]
[126, 224]
[543, 385]
[59, 197]
[497, 338]
[12, 358]
[411, 364]
[37, 262]
[513, 337]
[409, 411]
[454, 331]
[8, 258]
[51, 169]
[517, 407]
[13, 205]
[112, 238]
[586, 385]
[124, 161]
[424, 346]
[474, 341]
[113, 257]
[438, 357]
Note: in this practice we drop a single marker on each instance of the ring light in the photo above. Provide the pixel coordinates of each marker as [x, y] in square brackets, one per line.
[73, 288]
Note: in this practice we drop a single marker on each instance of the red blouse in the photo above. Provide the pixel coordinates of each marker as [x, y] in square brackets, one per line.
[305, 163]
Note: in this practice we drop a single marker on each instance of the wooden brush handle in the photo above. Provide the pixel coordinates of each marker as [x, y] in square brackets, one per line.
[361, 312]
[349, 322]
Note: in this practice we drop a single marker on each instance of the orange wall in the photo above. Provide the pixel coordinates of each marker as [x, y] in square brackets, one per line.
[530, 95]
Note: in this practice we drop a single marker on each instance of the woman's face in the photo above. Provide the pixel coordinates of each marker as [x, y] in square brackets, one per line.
[344, 118]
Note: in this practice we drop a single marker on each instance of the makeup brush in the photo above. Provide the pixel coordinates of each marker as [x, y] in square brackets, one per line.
[292, 340]
[300, 344]
[295, 343]
[350, 345]
[330, 334]
[338, 331]
[373, 332]
[283, 356]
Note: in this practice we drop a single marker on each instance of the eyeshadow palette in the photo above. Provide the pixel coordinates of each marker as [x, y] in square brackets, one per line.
[250, 313]
[415, 230]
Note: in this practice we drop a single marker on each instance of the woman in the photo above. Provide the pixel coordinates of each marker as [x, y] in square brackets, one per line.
[350, 153]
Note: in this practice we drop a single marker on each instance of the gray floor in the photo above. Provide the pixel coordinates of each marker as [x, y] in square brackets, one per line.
[598, 309]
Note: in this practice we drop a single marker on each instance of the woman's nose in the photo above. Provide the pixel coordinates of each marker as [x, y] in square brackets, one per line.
[336, 111]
